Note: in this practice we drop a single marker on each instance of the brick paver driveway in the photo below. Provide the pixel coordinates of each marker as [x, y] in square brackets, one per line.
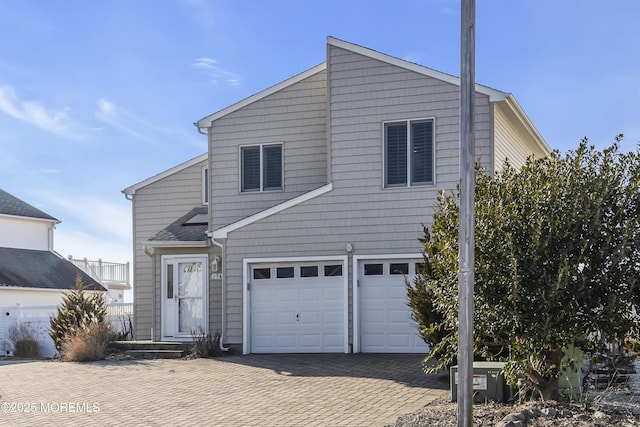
[256, 390]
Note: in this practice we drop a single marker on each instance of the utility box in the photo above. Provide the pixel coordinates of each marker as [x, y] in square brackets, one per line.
[489, 383]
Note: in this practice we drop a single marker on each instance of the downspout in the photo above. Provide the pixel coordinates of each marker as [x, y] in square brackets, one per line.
[50, 236]
[223, 268]
[223, 289]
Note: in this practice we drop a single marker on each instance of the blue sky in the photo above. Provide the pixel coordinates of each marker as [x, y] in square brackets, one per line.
[97, 96]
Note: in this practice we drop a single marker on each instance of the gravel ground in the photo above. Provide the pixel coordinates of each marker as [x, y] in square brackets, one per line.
[612, 407]
[617, 409]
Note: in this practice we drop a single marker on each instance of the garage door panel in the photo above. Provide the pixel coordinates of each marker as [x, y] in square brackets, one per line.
[284, 295]
[398, 293]
[310, 318]
[398, 316]
[373, 341]
[334, 318]
[285, 318]
[284, 341]
[400, 341]
[309, 294]
[310, 340]
[308, 312]
[334, 341]
[373, 316]
[386, 325]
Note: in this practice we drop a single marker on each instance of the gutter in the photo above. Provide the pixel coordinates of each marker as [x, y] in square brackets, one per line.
[223, 290]
[200, 131]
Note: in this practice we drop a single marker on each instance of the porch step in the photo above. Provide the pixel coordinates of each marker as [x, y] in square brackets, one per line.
[152, 349]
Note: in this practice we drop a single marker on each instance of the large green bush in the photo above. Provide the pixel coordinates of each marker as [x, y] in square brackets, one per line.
[557, 264]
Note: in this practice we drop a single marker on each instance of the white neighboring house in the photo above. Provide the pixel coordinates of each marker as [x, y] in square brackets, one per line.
[31, 273]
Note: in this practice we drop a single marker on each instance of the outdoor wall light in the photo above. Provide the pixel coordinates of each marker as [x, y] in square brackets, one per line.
[349, 248]
[215, 264]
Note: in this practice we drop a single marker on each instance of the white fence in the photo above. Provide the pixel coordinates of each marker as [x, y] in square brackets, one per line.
[37, 318]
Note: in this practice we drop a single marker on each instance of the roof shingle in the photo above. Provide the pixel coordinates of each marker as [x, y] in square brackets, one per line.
[183, 230]
[27, 268]
[11, 205]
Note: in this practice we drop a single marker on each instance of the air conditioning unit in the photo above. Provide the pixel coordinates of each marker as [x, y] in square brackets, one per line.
[488, 382]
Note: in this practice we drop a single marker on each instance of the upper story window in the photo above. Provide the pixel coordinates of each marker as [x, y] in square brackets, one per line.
[408, 153]
[261, 168]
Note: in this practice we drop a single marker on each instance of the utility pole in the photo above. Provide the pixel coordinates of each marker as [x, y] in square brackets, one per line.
[466, 243]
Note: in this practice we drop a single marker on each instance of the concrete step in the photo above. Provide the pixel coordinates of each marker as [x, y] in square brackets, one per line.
[152, 349]
[155, 354]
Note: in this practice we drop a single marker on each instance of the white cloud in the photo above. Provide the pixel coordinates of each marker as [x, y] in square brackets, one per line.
[106, 218]
[122, 119]
[209, 68]
[34, 113]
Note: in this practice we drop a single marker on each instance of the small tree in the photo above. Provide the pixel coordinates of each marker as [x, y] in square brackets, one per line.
[557, 263]
[78, 314]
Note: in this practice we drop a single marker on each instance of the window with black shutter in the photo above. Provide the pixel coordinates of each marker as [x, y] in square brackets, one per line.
[261, 168]
[408, 153]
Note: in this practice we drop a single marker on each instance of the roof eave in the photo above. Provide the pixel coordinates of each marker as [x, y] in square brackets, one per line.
[176, 244]
[32, 218]
[515, 107]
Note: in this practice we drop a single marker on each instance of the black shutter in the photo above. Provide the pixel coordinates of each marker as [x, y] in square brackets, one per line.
[422, 152]
[272, 167]
[251, 169]
[396, 154]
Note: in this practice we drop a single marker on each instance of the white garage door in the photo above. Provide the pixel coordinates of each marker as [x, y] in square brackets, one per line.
[297, 308]
[386, 325]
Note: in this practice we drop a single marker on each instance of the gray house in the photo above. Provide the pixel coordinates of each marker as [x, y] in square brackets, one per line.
[296, 231]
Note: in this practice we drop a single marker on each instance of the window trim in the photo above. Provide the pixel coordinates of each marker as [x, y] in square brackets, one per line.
[408, 123]
[262, 159]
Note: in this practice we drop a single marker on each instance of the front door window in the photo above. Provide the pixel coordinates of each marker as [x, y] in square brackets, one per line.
[190, 301]
[183, 295]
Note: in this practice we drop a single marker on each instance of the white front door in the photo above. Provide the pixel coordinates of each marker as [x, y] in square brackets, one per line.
[184, 280]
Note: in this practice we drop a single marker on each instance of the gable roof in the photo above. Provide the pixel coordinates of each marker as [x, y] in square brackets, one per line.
[131, 190]
[494, 94]
[26, 268]
[11, 205]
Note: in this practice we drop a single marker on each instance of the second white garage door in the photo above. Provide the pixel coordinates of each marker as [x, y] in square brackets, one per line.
[386, 325]
[297, 308]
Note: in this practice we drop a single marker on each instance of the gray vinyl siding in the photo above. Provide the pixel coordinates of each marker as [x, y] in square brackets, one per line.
[364, 93]
[512, 141]
[295, 117]
[154, 207]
